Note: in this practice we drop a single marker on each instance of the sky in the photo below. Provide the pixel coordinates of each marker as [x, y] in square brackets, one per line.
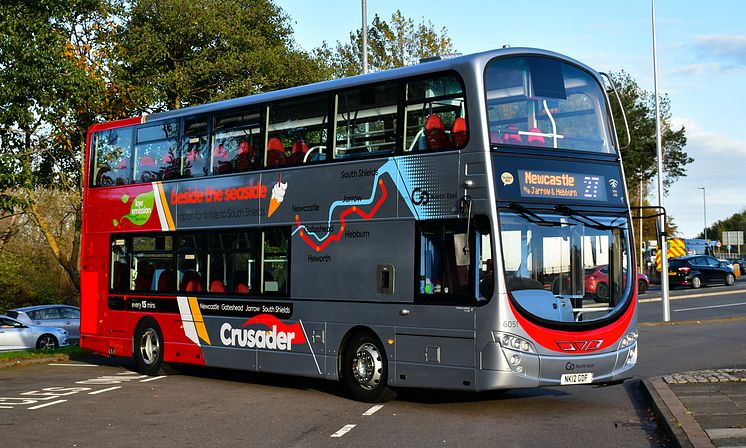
[701, 63]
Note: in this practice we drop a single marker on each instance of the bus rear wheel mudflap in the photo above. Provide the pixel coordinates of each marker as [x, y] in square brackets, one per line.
[365, 369]
[148, 347]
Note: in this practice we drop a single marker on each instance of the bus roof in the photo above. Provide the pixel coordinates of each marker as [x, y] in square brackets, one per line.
[476, 59]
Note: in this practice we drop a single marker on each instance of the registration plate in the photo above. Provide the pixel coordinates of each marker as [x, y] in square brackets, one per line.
[576, 378]
[673, 273]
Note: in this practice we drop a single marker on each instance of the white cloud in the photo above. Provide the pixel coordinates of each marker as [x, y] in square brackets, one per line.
[704, 141]
[724, 47]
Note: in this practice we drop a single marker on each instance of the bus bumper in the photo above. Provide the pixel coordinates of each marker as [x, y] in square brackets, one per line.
[505, 368]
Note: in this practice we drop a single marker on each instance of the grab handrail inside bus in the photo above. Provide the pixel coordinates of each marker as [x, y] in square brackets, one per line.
[624, 115]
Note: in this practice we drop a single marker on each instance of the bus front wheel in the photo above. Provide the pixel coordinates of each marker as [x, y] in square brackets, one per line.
[149, 347]
[365, 369]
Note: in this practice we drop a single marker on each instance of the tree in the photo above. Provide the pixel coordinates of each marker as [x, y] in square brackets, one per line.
[52, 55]
[640, 161]
[177, 53]
[735, 222]
[397, 43]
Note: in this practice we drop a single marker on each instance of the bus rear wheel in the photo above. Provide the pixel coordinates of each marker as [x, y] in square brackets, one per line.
[149, 347]
[365, 369]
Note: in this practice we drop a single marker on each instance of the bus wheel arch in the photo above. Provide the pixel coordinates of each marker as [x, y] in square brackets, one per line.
[147, 346]
[363, 366]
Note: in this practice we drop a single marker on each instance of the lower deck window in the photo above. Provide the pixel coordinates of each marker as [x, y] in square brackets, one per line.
[238, 262]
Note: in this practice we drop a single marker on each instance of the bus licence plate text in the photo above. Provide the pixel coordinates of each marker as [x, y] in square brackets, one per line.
[576, 378]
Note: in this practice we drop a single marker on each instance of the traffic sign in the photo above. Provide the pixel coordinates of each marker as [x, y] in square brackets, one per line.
[734, 238]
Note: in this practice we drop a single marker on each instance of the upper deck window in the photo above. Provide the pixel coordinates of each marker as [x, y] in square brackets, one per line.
[366, 121]
[435, 114]
[297, 131]
[156, 153]
[112, 153]
[545, 103]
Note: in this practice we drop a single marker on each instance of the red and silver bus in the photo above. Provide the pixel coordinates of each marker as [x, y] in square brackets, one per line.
[430, 226]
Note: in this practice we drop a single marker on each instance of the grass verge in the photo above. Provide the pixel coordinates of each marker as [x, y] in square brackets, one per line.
[72, 352]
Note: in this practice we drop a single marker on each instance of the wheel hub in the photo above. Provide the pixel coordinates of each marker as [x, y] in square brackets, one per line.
[367, 366]
[149, 346]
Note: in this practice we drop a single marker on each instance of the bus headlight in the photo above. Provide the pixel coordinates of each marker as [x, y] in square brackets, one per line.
[513, 342]
[629, 339]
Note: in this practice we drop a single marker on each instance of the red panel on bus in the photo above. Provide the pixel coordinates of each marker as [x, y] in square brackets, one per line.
[553, 339]
[124, 209]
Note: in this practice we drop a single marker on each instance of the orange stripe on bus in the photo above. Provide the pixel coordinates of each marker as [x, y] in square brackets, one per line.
[198, 321]
[164, 206]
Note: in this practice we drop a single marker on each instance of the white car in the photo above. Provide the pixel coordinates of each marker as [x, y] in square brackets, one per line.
[15, 335]
[62, 316]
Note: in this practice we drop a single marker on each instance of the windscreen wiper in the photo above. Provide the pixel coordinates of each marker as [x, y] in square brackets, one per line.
[574, 213]
[531, 216]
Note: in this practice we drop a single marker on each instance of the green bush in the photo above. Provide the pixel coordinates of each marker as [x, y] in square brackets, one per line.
[27, 281]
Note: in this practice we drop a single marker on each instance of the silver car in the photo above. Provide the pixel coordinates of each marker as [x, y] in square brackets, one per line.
[15, 335]
[62, 316]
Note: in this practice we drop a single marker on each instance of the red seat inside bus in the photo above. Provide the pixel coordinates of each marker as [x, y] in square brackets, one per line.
[275, 152]
[246, 157]
[217, 286]
[165, 280]
[191, 282]
[458, 132]
[435, 133]
[298, 153]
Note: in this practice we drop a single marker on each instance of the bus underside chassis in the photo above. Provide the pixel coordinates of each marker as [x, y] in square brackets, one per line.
[365, 369]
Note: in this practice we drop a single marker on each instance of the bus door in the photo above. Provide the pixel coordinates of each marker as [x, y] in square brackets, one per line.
[439, 332]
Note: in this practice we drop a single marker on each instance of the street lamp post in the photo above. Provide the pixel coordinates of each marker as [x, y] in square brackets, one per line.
[704, 206]
[365, 36]
[659, 151]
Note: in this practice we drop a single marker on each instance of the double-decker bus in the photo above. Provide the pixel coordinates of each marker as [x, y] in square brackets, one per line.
[433, 226]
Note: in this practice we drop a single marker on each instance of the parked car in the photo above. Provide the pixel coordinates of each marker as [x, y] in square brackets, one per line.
[62, 316]
[698, 270]
[16, 335]
[597, 282]
[741, 264]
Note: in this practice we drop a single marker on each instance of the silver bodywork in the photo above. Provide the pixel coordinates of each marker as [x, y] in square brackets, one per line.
[426, 345]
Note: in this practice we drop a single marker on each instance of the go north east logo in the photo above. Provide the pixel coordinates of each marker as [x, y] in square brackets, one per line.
[140, 210]
[280, 336]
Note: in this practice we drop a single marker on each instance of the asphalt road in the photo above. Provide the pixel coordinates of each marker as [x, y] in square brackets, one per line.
[710, 302]
[105, 403]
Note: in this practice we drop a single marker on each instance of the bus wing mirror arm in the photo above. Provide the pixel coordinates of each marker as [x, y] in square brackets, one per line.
[621, 108]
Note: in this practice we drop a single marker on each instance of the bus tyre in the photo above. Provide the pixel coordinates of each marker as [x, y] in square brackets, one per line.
[696, 282]
[729, 279]
[365, 369]
[602, 293]
[642, 287]
[47, 342]
[149, 347]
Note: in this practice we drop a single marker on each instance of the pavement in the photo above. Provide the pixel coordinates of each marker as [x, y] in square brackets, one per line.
[702, 408]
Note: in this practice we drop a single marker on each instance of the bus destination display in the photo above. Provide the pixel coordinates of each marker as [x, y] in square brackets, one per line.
[561, 185]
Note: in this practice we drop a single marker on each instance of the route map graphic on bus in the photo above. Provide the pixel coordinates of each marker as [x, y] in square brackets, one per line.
[409, 176]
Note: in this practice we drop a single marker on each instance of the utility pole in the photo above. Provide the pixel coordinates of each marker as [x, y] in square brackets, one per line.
[659, 150]
[704, 206]
[365, 37]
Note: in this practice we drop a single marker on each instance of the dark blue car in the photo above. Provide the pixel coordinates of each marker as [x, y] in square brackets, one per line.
[698, 270]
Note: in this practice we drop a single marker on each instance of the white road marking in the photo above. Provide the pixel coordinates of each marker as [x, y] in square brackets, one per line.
[692, 296]
[73, 365]
[127, 373]
[46, 404]
[373, 410]
[345, 429]
[153, 379]
[104, 390]
[711, 306]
